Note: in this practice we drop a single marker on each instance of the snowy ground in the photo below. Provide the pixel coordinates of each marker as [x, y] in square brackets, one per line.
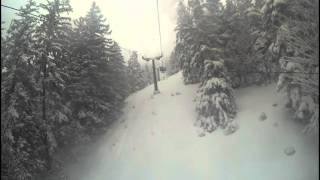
[157, 141]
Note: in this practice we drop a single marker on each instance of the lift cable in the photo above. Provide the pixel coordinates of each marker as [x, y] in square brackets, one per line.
[159, 28]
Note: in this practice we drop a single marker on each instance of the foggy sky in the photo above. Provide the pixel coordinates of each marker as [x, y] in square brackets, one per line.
[133, 22]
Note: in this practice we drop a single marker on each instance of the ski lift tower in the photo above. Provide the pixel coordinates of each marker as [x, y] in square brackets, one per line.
[156, 90]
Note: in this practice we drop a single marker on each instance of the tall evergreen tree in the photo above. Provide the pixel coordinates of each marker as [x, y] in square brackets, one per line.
[200, 49]
[98, 82]
[20, 131]
[186, 44]
[119, 73]
[52, 45]
[91, 79]
[240, 19]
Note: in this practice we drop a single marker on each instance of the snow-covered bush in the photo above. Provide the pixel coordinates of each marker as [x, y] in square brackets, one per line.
[215, 101]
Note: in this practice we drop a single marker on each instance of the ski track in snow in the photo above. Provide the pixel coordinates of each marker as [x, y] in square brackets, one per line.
[157, 140]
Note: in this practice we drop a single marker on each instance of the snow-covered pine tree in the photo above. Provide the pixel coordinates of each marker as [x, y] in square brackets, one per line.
[118, 80]
[199, 41]
[75, 87]
[118, 72]
[215, 101]
[137, 80]
[98, 83]
[236, 27]
[242, 33]
[186, 44]
[265, 51]
[53, 55]
[297, 38]
[21, 138]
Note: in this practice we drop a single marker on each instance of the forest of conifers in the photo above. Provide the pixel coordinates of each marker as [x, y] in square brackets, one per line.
[249, 42]
[63, 82]
[245, 43]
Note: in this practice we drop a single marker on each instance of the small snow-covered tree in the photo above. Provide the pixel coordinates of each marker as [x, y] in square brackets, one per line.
[215, 101]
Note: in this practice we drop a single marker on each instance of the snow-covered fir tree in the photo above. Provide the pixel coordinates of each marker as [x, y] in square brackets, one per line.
[238, 42]
[265, 50]
[203, 27]
[52, 45]
[118, 72]
[20, 132]
[186, 44]
[97, 66]
[215, 100]
[296, 40]
[136, 77]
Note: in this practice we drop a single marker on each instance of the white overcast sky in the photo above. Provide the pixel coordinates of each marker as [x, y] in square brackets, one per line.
[133, 22]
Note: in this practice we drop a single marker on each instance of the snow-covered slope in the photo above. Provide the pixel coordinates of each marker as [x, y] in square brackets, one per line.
[156, 140]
